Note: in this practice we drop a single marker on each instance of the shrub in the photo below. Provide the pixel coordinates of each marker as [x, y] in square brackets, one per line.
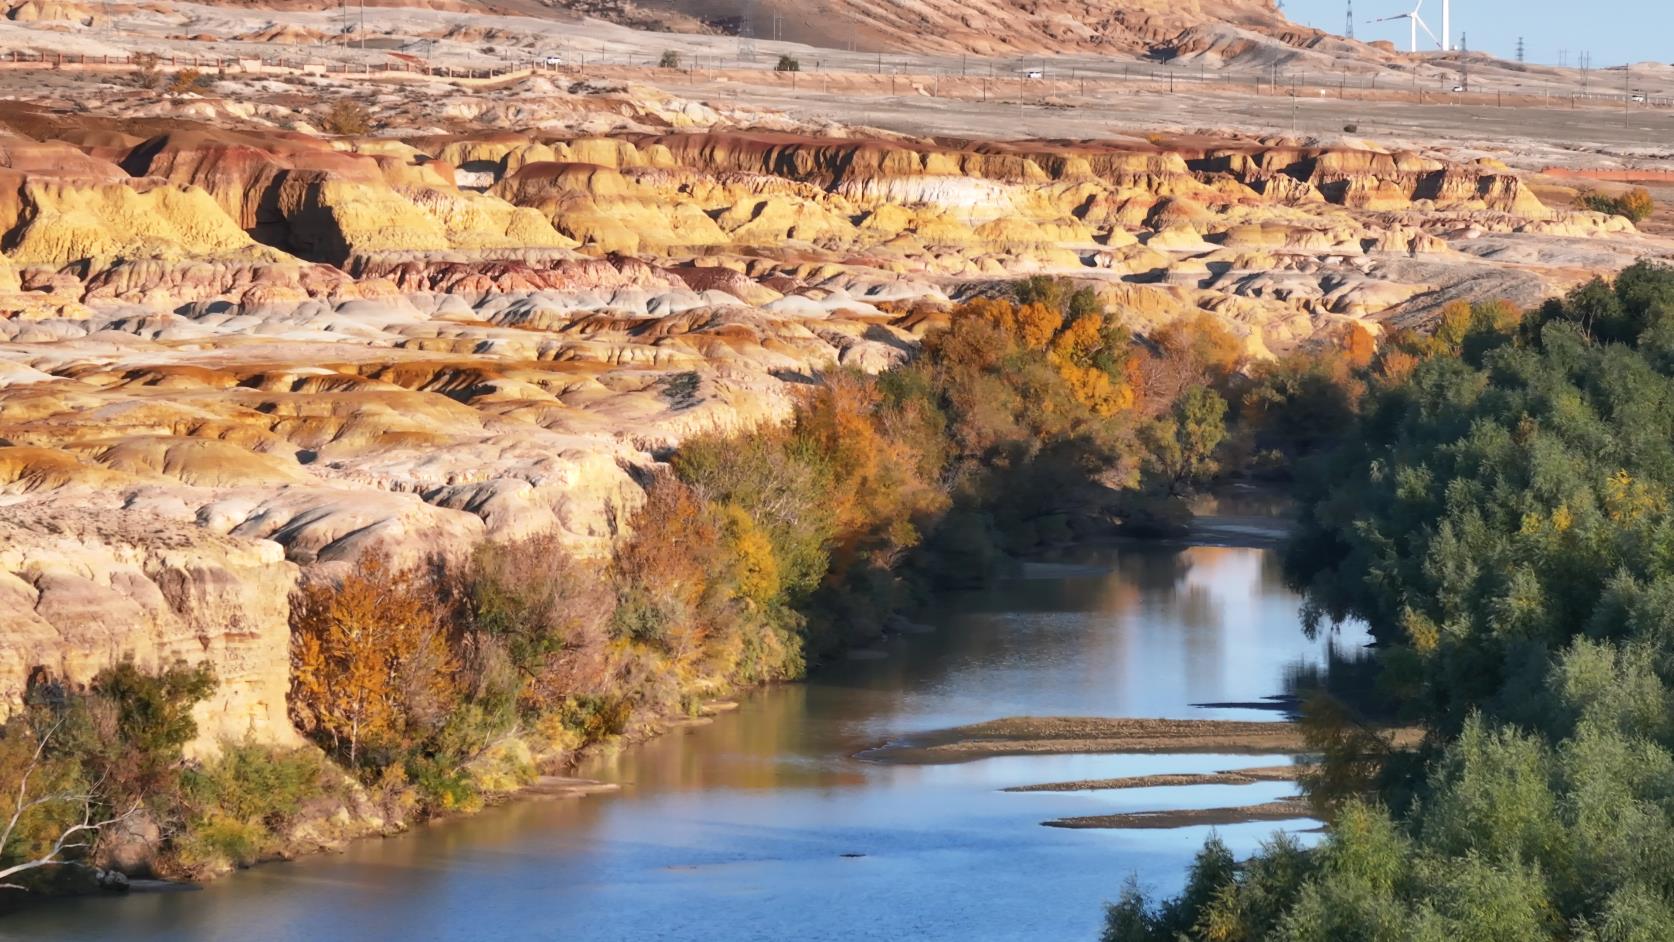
[255, 784]
[217, 842]
[537, 604]
[681, 389]
[1636, 204]
[670, 60]
[145, 70]
[347, 118]
[144, 720]
[788, 63]
[442, 786]
[188, 81]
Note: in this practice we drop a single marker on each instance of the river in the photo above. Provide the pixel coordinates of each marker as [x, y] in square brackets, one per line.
[764, 826]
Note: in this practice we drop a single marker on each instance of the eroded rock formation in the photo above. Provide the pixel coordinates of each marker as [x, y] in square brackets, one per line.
[231, 353]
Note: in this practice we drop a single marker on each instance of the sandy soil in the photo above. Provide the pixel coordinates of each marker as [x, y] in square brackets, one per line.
[1288, 809]
[1265, 773]
[1049, 735]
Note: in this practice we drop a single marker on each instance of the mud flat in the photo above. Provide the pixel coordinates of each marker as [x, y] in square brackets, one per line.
[1057, 735]
[1287, 809]
[1266, 773]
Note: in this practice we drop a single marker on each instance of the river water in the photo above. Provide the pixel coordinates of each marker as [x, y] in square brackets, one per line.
[748, 828]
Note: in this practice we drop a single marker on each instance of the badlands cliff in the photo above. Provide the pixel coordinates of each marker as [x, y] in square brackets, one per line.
[236, 350]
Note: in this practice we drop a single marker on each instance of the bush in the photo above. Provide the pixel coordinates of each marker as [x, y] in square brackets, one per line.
[670, 60]
[788, 63]
[188, 81]
[255, 784]
[347, 118]
[1636, 204]
[145, 66]
[146, 721]
[681, 388]
[217, 842]
[441, 786]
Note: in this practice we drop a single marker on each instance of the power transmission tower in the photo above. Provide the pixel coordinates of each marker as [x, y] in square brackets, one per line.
[1349, 32]
[747, 32]
[1563, 58]
[1519, 49]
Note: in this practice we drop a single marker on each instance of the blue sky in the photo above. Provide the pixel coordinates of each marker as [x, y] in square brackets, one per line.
[1615, 31]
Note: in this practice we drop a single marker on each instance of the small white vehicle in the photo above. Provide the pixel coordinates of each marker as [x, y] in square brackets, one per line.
[1458, 88]
[553, 62]
[1639, 99]
[1034, 73]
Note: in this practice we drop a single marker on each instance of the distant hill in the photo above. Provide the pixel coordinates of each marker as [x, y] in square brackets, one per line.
[1163, 29]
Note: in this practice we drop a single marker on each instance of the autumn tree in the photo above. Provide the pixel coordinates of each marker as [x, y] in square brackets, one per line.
[1194, 350]
[370, 659]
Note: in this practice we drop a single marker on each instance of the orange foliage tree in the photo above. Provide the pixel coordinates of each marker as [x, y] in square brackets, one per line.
[370, 661]
[1194, 350]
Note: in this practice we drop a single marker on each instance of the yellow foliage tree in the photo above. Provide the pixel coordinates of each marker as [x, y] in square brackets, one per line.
[369, 657]
[752, 553]
[876, 484]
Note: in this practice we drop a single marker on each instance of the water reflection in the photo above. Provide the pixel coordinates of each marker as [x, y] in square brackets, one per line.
[738, 830]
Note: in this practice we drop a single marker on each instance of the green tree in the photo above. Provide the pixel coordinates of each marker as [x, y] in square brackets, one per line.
[1182, 444]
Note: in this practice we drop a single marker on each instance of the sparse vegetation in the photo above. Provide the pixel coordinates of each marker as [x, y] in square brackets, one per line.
[788, 63]
[682, 388]
[188, 82]
[347, 118]
[145, 70]
[669, 60]
[1636, 205]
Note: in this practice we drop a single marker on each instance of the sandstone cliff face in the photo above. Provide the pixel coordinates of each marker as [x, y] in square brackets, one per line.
[81, 589]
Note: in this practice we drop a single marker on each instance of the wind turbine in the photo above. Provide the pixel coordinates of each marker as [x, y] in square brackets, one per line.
[1416, 23]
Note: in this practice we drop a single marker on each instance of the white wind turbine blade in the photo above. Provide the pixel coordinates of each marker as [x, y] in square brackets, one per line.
[1419, 22]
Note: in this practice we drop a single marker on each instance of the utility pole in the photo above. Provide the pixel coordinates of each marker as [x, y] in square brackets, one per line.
[747, 32]
[1348, 33]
